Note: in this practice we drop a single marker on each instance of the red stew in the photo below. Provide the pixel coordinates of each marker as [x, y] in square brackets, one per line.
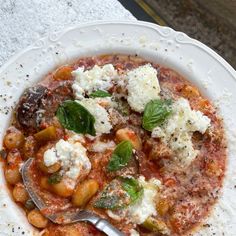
[187, 195]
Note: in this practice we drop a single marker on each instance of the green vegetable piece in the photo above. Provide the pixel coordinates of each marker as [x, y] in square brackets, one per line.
[74, 116]
[121, 156]
[55, 178]
[156, 226]
[133, 188]
[119, 193]
[29, 204]
[100, 94]
[155, 113]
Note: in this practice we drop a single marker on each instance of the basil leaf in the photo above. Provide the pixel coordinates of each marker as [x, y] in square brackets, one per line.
[100, 94]
[119, 193]
[121, 156]
[55, 178]
[133, 188]
[113, 197]
[74, 116]
[155, 113]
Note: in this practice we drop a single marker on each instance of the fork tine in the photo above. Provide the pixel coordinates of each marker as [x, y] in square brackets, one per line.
[28, 182]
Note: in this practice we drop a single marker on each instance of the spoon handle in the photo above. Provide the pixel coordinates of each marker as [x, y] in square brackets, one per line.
[107, 228]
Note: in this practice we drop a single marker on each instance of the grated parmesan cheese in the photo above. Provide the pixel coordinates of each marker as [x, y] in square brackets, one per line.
[178, 130]
[98, 78]
[143, 86]
[102, 121]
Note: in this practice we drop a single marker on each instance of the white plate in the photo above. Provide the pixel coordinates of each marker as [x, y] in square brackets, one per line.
[198, 63]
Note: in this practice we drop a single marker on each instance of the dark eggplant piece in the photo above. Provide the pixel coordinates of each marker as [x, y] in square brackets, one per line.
[27, 112]
[38, 104]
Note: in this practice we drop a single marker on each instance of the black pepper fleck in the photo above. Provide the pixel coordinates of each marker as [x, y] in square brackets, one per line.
[69, 4]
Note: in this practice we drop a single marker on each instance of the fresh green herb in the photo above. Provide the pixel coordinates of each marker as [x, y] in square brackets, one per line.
[133, 188]
[121, 156]
[112, 197]
[29, 204]
[74, 116]
[119, 193]
[100, 94]
[155, 113]
[55, 178]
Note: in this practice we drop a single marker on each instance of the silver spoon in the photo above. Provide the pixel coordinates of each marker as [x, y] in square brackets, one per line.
[65, 216]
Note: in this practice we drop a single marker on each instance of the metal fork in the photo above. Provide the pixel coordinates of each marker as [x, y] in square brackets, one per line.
[65, 216]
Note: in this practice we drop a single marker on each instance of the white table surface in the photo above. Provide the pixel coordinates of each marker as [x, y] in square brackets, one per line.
[24, 21]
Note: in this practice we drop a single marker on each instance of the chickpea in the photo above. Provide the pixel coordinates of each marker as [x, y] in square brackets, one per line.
[84, 192]
[13, 139]
[19, 193]
[130, 135]
[12, 175]
[29, 147]
[37, 219]
[63, 73]
[40, 161]
[163, 206]
[44, 183]
[190, 92]
[72, 231]
[63, 189]
[49, 169]
[213, 169]
[14, 158]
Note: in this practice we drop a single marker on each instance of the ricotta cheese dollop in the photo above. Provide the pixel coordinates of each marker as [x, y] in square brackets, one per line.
[144, 207]
[72, 157]
[178, 130]
[102, 121]
[143, 86]
[98, 78]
